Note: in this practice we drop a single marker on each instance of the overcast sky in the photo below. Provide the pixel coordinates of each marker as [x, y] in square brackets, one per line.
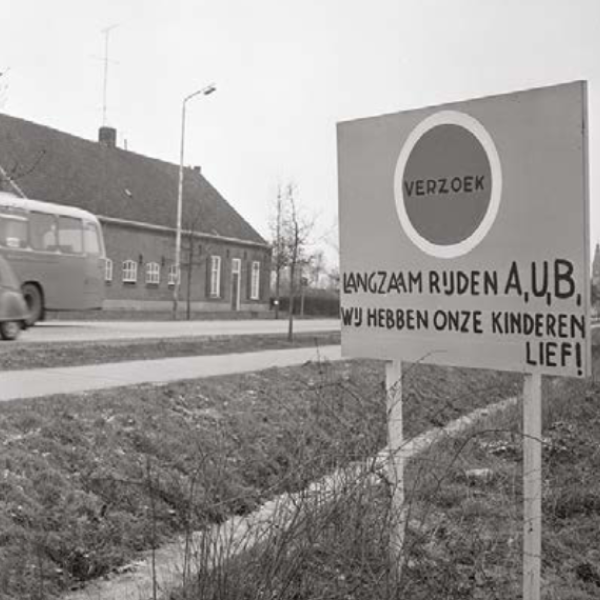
[286, 72]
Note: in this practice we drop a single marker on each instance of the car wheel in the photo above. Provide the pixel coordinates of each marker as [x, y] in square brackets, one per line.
[9, 330]
[35, 303]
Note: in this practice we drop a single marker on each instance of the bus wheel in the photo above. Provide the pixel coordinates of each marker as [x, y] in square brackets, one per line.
[35, 303]
[9, 330]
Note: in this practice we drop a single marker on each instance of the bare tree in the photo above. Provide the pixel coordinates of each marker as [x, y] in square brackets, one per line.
[279, 257]
[332, 239]
[194, 255]
[315, 267]
[194, 252]
[3, 87]
[297, 229]
[290, 229]
[16, 171]
[333, 277]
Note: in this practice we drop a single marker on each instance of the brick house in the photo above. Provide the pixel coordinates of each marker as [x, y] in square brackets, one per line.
[225, 262]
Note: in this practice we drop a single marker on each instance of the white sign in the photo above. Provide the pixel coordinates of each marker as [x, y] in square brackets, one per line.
[464, 233]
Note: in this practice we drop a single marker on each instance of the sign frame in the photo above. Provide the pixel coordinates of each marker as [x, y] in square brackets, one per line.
[523, 262]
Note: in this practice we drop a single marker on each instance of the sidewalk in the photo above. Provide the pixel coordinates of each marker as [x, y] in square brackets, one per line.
[34, 383]
[65, 380]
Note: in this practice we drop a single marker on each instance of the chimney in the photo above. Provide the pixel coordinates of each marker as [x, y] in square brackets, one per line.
[107, 136]
[198, 169]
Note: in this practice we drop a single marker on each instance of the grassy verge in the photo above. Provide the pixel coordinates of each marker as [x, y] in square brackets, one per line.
[167, 315]
[463, 514]
[154, 315]
[466, 521]
[86, 483]
[69, 354]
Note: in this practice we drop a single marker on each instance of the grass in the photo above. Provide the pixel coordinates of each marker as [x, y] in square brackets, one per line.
[87, 482]
[68, 354]
[167, 315]
[154, 315]
[463, 515]
[466, 504]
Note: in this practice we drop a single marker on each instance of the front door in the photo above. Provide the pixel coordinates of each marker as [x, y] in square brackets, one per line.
[236, 272]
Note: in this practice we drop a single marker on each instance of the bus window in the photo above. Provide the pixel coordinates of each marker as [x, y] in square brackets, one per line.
[13, 231]
[70, 235]
[91, 239]
[42, 230]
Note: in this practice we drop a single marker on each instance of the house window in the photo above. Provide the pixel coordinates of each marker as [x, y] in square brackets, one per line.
[172, 277]
[129, 271]
[255, 281]
[153, 273]
[108, 270]
[215, 276]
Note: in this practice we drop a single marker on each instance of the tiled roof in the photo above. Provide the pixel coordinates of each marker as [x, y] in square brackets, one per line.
[58, 167]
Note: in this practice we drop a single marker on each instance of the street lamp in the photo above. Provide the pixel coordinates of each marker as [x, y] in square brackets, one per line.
[205, 91]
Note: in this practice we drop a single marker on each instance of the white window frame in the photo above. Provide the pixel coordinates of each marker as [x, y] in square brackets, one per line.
[173, 275]
[215, 276]
[153, 273]
[236, 269]
[129, 271]
[255, 281]
[108, 270]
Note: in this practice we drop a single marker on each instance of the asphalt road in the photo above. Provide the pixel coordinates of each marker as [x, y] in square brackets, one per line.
[78, 331]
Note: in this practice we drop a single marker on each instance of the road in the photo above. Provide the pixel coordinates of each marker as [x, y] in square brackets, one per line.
[78, 331]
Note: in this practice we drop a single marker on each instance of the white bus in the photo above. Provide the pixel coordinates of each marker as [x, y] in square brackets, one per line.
[56, 251]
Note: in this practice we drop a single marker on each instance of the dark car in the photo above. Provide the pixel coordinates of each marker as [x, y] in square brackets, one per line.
[13, 309]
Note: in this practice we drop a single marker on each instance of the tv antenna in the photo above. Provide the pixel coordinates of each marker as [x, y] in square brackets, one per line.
[106, 32]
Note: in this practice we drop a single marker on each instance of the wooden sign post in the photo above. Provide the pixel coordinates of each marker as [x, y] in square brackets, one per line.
[532, 486]
[396, 461]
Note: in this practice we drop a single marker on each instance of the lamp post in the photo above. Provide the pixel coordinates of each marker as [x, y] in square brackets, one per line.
[205, 91]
